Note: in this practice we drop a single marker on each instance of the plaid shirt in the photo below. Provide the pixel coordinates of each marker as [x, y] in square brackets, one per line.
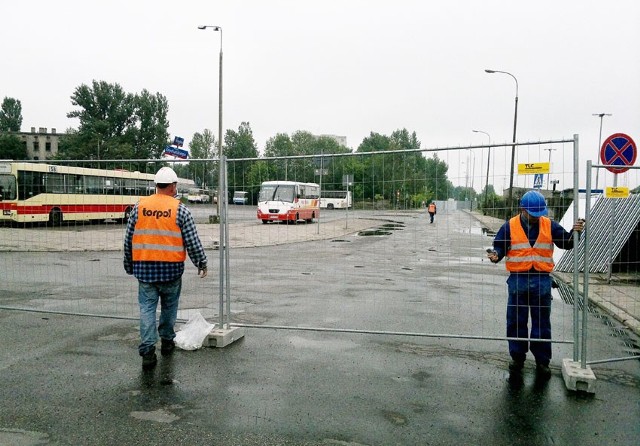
[164, 271]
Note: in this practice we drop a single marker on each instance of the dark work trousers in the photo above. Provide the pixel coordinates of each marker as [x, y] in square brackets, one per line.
[529, 294]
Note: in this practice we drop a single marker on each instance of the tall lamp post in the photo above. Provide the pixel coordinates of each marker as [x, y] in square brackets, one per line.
[601, 116]
[486, 184]
[218, 28]
[513, 147]
[222, 189]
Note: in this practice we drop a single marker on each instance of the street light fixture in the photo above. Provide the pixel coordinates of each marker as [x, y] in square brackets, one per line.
[513, 147]
[486, 184]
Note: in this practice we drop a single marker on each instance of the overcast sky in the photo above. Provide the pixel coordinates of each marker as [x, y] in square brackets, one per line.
[343, 67]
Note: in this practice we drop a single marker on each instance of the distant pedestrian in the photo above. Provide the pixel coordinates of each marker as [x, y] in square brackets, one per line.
[432, 211]
[527, 241]
[158, 232]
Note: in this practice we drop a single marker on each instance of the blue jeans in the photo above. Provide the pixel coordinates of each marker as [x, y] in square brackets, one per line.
[529, 294]
[148, 295]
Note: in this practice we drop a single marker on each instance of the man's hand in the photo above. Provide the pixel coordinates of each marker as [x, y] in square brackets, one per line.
[492, 255]
[578, 226]
[202, 272]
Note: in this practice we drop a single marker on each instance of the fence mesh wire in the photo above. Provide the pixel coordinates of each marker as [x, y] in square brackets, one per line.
[377, 266]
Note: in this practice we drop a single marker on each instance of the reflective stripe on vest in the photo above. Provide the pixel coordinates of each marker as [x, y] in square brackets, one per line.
[524, 257]
[157, 237]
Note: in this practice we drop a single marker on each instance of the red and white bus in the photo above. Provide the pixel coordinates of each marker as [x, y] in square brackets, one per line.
[288, 201]
[33, 192]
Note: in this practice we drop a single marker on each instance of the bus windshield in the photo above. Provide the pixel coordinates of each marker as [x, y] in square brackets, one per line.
[280, 192]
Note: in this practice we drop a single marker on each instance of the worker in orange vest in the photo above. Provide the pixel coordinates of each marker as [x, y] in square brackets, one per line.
[160, 233]
[527, 242]
[432, 211]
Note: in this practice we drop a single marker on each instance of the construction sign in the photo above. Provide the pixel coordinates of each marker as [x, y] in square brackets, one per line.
[616, 192]
[533, 168]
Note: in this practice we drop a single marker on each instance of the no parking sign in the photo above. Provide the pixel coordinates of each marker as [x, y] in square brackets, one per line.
[618, 152]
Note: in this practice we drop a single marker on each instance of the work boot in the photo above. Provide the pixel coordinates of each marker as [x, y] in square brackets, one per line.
[543, 370]
[149, 360]
[516, 366]
[168, 345]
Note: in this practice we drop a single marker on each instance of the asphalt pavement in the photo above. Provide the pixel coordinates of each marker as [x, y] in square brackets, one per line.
[356, 360]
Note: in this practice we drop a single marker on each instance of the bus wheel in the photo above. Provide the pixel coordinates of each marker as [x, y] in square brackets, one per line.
[264, 222]
[330, 206]
[55, 217]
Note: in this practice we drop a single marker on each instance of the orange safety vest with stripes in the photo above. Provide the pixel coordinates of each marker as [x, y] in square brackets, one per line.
[157, 236]
[432, 208]
[523, 257]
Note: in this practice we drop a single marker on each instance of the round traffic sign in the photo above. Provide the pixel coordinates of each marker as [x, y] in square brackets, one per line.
[618, 152]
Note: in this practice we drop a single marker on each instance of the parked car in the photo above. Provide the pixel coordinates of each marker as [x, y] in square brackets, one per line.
[198, 196]
[240, 197]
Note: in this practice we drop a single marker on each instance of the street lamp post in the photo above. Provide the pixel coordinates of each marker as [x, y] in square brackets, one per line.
[222, 199]
[513, 147]
[218, 28]
[549, 174]
[486, 184]
[601, 116]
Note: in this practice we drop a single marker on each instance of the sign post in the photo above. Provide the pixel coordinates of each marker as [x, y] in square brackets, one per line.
[618, 152]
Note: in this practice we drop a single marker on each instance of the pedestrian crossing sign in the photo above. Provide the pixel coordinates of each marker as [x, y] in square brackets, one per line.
[537, 181]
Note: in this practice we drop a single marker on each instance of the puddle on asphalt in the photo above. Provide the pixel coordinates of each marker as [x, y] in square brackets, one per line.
[382, 230]
[392, 226]
[373, 232]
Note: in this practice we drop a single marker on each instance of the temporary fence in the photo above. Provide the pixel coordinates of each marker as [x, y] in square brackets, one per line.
[610, 248]
[379, 267]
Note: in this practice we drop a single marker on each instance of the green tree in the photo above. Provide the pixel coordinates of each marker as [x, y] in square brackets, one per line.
[403, 179]
[10, 115]
[151, 124]
[335, 166]
[203, 146]
[491, 202]
[257, 173]
[436, 178]
[373, 178]
[240, 144]
[115, 124]
[279, 145]
[12, 148]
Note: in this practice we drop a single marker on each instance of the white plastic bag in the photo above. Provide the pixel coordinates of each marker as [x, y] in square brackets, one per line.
[193, 333]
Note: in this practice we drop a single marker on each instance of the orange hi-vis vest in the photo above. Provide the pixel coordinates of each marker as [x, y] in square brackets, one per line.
[157, 237]
[523, 257]
[432, 207]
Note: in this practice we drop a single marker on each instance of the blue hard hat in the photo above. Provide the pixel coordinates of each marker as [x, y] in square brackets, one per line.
[533, 202]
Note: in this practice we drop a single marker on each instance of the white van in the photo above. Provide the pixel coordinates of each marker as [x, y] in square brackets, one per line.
[198, 196]
[240, 197]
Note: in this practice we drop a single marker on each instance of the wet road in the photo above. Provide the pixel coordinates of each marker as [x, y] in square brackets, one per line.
[71, 380]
